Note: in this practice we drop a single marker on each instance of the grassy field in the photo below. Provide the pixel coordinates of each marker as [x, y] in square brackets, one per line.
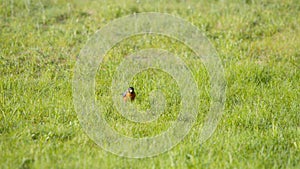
[258, 43]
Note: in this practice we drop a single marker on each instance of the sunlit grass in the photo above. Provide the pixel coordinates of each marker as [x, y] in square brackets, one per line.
[256, 41]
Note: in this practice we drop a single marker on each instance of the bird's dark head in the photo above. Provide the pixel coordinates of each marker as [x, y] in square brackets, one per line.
[131, 90]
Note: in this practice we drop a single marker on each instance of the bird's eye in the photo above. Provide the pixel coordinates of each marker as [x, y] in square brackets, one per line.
[130, 91]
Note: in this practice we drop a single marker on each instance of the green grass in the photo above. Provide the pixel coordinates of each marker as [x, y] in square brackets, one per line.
[258, 43]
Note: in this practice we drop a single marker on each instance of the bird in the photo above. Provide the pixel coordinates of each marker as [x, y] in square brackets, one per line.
[129, 94]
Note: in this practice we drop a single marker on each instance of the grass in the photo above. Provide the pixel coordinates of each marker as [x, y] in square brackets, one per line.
[258, 43]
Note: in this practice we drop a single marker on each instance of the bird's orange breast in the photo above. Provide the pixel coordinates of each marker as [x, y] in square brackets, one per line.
[129, 96]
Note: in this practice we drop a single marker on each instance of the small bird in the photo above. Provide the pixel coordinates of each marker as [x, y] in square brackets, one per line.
[129, 94]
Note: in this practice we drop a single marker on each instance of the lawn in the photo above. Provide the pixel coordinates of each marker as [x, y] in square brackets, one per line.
[257, 43]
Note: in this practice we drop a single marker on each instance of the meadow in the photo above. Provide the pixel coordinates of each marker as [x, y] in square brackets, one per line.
[257, 42]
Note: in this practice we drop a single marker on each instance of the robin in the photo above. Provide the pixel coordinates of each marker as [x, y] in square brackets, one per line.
[129, 94]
